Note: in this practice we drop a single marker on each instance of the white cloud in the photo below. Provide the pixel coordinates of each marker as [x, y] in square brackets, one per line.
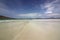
[53, 14]
[30, 15]
[49, 7]
[52, 8]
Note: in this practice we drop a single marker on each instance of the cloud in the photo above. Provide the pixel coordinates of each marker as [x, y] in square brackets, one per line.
[4, 10]
[52, 8]
[30, 15]
[52, 14]
[49, 8]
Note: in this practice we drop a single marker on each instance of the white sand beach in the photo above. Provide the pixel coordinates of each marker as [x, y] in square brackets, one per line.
[30, 29]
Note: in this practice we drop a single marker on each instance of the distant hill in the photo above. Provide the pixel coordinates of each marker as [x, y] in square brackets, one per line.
[5, 17]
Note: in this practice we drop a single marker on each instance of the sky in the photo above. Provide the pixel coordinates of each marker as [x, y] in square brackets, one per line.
[30, 8]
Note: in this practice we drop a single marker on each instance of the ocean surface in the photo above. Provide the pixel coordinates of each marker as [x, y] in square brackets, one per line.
[36, 29]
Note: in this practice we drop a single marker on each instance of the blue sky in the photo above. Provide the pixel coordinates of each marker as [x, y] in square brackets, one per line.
[30, 8]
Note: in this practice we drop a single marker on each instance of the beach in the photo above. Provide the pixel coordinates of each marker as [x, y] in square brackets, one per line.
[39, 29]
